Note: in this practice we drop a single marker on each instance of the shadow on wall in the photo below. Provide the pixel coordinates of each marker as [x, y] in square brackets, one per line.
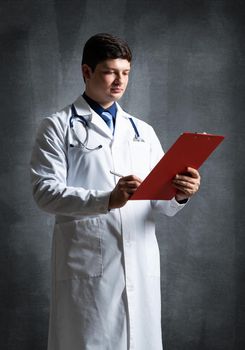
[23, 320]
[23, 284]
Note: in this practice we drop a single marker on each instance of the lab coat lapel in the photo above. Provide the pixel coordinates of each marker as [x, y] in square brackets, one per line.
[99, 123]
[122, 128]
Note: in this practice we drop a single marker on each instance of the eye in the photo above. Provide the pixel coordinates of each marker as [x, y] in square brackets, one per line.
[108, 72]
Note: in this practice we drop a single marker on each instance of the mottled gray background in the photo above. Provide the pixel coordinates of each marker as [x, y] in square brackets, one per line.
[188, 74]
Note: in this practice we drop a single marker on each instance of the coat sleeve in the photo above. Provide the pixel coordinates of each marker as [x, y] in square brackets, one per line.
[167, 207]
[49, 173]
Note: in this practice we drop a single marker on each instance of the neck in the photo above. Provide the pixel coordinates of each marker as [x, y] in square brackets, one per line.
[104, 104]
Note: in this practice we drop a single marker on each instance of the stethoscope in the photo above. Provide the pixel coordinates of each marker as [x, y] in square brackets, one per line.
[84, 122]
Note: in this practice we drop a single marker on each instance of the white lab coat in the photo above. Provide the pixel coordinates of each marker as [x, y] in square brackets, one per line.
[105, 264]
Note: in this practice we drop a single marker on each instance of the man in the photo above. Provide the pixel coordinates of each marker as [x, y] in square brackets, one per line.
[106, 270]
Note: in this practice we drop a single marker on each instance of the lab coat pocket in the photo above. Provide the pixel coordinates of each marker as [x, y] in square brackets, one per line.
[140, 158]
[78, 252]
[151, 251]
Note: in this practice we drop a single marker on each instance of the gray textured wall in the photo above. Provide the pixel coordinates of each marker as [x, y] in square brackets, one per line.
[188, 75]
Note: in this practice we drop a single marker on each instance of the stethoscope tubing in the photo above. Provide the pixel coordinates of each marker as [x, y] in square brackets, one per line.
[83, 121]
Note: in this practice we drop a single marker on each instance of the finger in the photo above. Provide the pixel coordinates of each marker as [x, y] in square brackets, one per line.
[187, 191]
[188, 179]
[130, 185]
[193, 172]
[185, 185]
[131, 178]
[127, 189]
[131, 191]
[184, 178]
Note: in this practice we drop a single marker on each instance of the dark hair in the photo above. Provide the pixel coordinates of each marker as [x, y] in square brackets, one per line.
[103, 46]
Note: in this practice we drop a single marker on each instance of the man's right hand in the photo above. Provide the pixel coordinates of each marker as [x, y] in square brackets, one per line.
[123, 190]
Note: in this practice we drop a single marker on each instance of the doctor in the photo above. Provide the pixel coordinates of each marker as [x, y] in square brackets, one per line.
[105, 256]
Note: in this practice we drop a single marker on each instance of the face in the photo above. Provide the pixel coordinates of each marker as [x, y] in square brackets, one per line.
[108, 82]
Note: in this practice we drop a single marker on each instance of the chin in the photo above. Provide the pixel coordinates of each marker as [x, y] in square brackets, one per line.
[116, 96]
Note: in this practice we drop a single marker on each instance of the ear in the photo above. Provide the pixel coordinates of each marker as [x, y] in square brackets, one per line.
[87, 72]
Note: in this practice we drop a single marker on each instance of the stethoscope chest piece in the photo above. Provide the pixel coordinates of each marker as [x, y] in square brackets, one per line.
[138, 139]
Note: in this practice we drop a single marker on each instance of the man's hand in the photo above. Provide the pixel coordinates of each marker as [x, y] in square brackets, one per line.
[125, 187]
[187, 184]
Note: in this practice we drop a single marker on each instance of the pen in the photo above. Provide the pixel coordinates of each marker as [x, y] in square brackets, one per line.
[116, 174]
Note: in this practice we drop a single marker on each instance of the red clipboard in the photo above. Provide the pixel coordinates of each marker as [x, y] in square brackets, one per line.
[190, 150]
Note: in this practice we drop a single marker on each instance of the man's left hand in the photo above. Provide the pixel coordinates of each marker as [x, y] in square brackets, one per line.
[186, 184]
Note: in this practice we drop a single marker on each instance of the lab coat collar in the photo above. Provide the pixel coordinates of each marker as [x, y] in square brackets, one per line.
[91, 116]
[83, 108]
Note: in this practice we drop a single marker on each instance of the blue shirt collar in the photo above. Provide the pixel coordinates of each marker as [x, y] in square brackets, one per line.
[98, 108]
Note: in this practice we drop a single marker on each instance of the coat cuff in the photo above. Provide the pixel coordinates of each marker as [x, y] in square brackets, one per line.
[183, 201]
[102, 202]
[169, 207]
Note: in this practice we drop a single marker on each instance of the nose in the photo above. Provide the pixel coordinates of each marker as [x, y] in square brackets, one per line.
[119, 79]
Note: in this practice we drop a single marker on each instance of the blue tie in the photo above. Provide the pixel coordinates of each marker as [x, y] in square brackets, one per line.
[108, 119]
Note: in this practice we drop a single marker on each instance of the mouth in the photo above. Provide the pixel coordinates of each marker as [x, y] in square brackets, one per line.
[117, 90]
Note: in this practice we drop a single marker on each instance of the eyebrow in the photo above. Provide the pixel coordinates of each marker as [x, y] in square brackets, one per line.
[116, 69]
[106, 66]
